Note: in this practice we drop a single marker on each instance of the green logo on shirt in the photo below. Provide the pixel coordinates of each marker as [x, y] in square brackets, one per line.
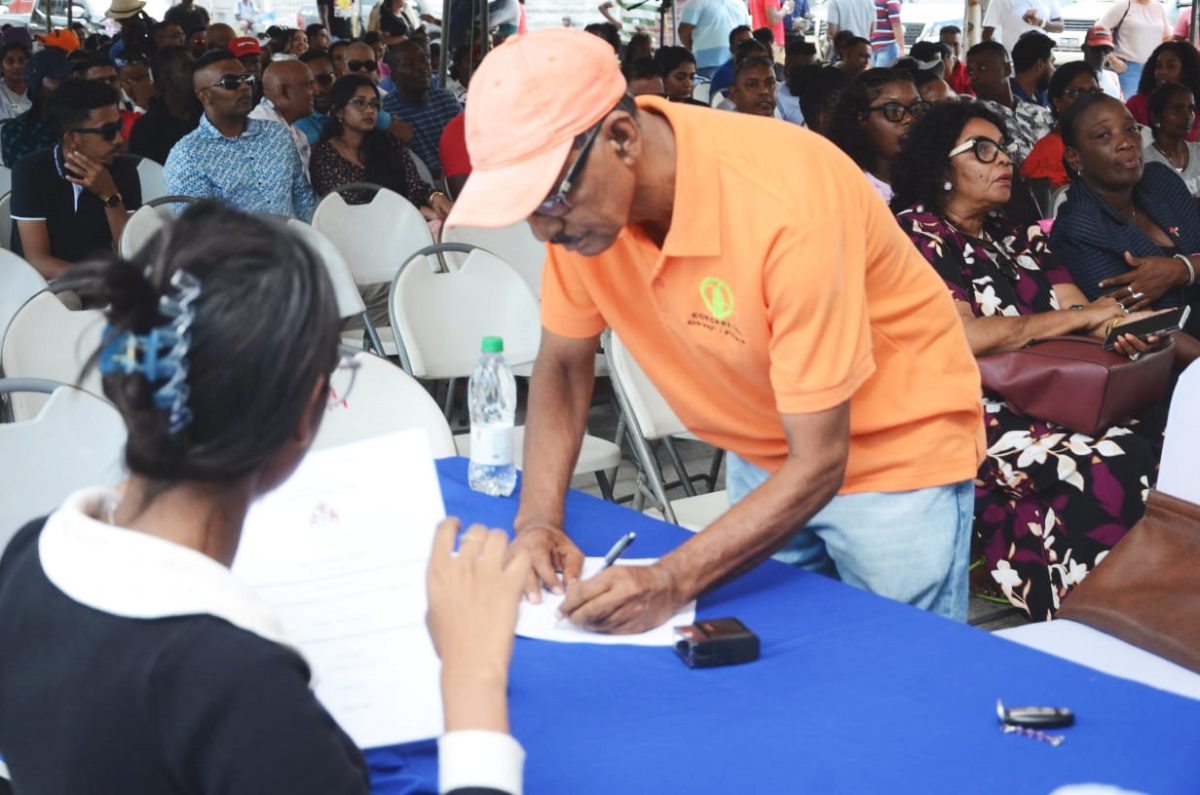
[717, 297]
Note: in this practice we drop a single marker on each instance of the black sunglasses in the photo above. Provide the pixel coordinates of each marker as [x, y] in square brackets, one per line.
[233, 82]
[108, 131]
[556, 205]
[368, 65]
[324, 79]
[895, 112]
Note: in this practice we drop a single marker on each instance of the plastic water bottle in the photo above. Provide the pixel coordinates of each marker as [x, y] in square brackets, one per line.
[492, 398]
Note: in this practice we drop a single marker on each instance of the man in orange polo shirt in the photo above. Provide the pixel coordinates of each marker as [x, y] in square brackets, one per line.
[775, 304]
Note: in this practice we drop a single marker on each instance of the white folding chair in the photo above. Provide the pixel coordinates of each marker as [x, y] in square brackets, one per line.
[702, 91]
[375, 239]
[6, 222]
[439, 319]
[150, 175]
[76, 440]
[384, 399]
[422, 169]
[140, 227]
[649, 418]
[349, 301]
[19, 281]
[47, 340]
[515, 244]
[5, 179]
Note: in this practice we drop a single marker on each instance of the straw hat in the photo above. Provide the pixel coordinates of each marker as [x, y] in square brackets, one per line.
[124, 9]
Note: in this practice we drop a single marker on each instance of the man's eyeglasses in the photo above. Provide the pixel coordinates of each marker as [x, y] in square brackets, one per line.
[233, 82]
[355, 65]
[1076, 92]
[324, 78]
[108, 131]
[556, 205]
[985, 149]
[362, 103]
[895, 112]
[341, 381]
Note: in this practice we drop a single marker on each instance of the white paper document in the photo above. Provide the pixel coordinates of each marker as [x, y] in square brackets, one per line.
[539, 621]
[340, 552]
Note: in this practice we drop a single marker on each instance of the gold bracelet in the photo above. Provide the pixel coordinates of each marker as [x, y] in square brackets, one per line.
[438, 193]
[1112, 324]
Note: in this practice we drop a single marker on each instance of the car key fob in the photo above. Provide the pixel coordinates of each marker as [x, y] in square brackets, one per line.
[1035, 717]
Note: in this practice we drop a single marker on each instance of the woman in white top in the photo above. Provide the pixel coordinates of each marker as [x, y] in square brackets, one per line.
[13, 101]
[1138, 27]
[1172, 113]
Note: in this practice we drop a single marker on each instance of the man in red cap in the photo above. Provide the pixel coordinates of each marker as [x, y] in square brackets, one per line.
[783, 316]
[1097, 46]
[247, 50]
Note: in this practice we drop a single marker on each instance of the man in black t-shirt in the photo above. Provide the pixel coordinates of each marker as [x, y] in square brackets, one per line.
[71, 201]
[174, 113]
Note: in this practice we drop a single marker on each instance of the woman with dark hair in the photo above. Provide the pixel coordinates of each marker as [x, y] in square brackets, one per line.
[1171, 62]
[1049, 503]
[351, 149]
[1172, 116]
[13, 100]
[393, 24]
[1129, 230]
[677, 66]
[1044, 161]
[221, 354]
[819, 88]
[872, 119]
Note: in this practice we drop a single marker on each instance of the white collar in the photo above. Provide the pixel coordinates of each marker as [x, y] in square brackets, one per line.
[136, 575]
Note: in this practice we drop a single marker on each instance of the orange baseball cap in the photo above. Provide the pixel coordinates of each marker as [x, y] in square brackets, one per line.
[63, 39]
[530, 98]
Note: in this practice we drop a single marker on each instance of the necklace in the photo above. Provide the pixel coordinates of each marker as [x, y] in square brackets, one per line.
[1171, 158]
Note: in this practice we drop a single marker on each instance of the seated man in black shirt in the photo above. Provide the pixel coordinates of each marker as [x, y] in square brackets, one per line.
[70, 202]
[174, 112]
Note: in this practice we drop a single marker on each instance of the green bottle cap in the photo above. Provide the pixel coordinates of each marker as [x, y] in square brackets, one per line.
[493, 345]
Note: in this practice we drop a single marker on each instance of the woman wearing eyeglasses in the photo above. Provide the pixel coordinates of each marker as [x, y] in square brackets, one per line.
[352, 149]
[1044, 161]
[872, 119]
[1049, 502]
[1172, 111]
[135, 660]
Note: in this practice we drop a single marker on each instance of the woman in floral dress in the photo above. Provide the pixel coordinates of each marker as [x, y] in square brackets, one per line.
[1050, 503]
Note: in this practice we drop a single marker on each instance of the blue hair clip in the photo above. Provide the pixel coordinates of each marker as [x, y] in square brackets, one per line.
[161, 354]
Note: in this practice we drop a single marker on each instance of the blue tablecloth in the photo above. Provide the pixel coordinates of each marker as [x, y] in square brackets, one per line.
[853, 693]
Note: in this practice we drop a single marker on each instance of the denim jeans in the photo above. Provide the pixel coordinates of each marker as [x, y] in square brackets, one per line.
[1130, 77]
[885, 55]
[911, 546]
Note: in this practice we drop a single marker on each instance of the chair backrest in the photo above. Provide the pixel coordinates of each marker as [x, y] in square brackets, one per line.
[375, 238]
[384, 399]
[653, 417]
[47, 340]
[5, 179]
[141, 226]
[150, 175]
[6, 221]
[19, 281]
[349, 300]
[515, 244]
[440, 318]
[76, 440]
[422, 169]
[702, 92]
[1176, 475]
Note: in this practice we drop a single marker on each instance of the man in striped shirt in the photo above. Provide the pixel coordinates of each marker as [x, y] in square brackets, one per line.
[887, 40]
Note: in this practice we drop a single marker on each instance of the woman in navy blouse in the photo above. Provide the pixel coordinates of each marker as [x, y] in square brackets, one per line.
[1129, 229]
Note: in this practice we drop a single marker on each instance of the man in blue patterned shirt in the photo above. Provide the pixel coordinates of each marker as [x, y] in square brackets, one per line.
[428, 109]
[246, 163]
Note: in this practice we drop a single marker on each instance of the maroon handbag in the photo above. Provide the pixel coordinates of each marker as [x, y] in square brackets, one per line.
[1074, 382]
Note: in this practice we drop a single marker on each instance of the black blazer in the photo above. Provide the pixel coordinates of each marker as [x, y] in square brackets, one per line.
[1090, 237]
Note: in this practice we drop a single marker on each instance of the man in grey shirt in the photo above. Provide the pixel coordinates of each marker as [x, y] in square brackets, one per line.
[856, 16]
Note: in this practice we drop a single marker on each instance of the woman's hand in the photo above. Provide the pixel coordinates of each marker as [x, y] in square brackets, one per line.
[1099, 313]
[1147, 280]
[1116, 63]
[441, 204]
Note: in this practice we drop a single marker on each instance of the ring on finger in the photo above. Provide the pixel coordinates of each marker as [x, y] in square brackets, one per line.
[1138, 296]
[1130, 289]
[1133, 357]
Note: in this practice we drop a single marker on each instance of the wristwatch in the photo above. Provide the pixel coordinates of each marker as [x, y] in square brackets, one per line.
[111, 200]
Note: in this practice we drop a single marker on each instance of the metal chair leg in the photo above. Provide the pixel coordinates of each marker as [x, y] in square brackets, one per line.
[680, 470]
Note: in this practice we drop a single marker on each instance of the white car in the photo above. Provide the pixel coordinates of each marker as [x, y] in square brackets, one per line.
[922, 19]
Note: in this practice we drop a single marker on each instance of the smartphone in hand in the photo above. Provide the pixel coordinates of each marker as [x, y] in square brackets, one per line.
[1154, 326]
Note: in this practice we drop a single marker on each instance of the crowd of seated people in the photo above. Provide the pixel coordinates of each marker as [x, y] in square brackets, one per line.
[953, 141]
